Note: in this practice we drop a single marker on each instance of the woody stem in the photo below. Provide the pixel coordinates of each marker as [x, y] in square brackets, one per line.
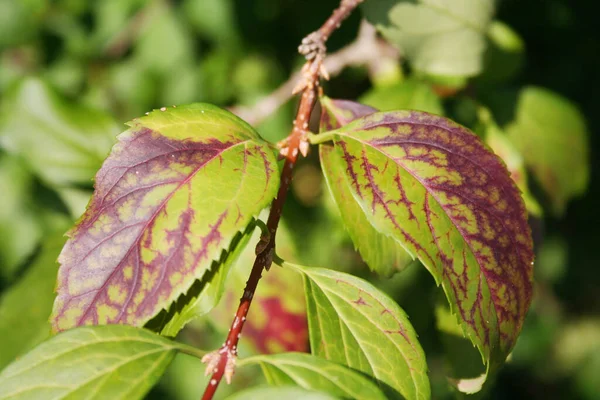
[313, 48]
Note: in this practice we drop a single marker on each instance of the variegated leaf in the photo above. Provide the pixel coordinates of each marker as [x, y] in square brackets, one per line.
[175, 190]
[436, 189]
[382, 254]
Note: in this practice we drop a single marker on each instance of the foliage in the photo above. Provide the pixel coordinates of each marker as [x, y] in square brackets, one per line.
[159, 250]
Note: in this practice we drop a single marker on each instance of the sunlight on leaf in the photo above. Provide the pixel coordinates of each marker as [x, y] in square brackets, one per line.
[438, 37]
[354, 324]
[117, 361]
[175, 190]
[314, 373]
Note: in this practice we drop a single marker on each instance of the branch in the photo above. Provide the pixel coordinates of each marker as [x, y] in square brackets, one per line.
[222, 362]
[367, 50]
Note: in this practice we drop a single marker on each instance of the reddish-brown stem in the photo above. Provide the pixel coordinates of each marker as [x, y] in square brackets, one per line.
[222, 362]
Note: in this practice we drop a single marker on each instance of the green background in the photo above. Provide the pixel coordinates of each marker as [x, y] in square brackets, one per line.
[124, 58]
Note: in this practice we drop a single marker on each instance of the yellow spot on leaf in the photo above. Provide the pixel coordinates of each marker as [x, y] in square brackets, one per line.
[69, 318]
[106, 313]
[128, 272]
[116, 294]
[175, 278]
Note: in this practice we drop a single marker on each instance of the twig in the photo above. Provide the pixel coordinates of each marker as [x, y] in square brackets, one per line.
[222, 362]
[367, 50]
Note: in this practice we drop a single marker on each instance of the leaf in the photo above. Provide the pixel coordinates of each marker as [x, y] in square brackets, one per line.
[438, 37]
[442, 194]
[314, 373]
[20, 231]
[502, 146]
[381, 253]
[278, 393]
[408, 95]
[465, 369]
[352, 323]
[173, 193]
[117, 361]
[63, 143]
[204, 294]
[551, 134]
[26, 305]
[504, 56]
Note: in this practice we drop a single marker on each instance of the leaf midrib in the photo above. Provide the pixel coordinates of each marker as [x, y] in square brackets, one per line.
[406, 360]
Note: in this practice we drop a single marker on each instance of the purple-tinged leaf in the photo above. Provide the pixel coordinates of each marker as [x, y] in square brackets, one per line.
[337, 113]
[175, 190]
[382, 253]
[436, 189]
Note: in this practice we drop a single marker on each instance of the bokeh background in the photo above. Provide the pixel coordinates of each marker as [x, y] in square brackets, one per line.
[73, 71]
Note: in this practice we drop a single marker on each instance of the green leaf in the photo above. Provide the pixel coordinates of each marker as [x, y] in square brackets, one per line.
[436, 189]
[314, 373]
[502, 146]
[438, 37]
[354, 324]
[20, 231]
[411, 94]
[551, 134]
[382, 253]
[117, 361]
[278, 393]
[172, 195]
[63, 143]
[25, 307]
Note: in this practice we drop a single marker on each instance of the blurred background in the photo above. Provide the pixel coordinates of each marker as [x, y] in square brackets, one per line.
[72, 72]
